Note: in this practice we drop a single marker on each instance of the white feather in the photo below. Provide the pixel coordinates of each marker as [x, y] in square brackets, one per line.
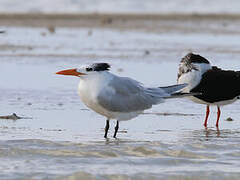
[193, 77]
[117, 97]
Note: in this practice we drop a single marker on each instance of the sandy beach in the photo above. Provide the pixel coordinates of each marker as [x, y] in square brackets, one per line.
[58, 137]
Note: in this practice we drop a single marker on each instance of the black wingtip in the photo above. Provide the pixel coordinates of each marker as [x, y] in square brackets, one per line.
[181, 94]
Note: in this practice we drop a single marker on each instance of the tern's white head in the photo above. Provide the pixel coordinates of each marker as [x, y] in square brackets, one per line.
[86, 71]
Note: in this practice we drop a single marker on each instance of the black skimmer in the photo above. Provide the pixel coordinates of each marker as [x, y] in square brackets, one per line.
[217, 87]
[115, 97]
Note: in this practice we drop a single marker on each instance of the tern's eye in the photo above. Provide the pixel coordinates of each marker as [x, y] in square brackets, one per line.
[89, 69]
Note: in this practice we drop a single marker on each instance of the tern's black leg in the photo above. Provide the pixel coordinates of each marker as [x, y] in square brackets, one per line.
[106, 128]
[116, 130]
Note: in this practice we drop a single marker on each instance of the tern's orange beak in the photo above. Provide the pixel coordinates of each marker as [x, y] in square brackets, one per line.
[70, 72]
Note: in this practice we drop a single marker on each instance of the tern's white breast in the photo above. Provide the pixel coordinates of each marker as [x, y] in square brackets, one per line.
[89, 89]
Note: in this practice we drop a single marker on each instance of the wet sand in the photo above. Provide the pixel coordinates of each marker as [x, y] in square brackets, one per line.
[184, 23]
[61, 139]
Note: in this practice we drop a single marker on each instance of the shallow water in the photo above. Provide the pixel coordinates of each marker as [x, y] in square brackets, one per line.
[59, 138]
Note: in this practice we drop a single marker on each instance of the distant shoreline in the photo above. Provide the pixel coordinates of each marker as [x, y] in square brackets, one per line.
[95, 19]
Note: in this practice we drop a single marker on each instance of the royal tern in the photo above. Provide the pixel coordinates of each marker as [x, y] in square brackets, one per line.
[116, 97]
[217, 87]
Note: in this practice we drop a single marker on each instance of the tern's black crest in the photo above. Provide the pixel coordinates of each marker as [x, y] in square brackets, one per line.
[194, 58]
[98, 67]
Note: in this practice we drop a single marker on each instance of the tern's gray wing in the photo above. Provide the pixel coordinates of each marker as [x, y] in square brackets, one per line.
[126, 95]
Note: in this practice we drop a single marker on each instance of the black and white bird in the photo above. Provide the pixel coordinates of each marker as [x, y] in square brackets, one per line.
[115, 97]
[217, 87]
